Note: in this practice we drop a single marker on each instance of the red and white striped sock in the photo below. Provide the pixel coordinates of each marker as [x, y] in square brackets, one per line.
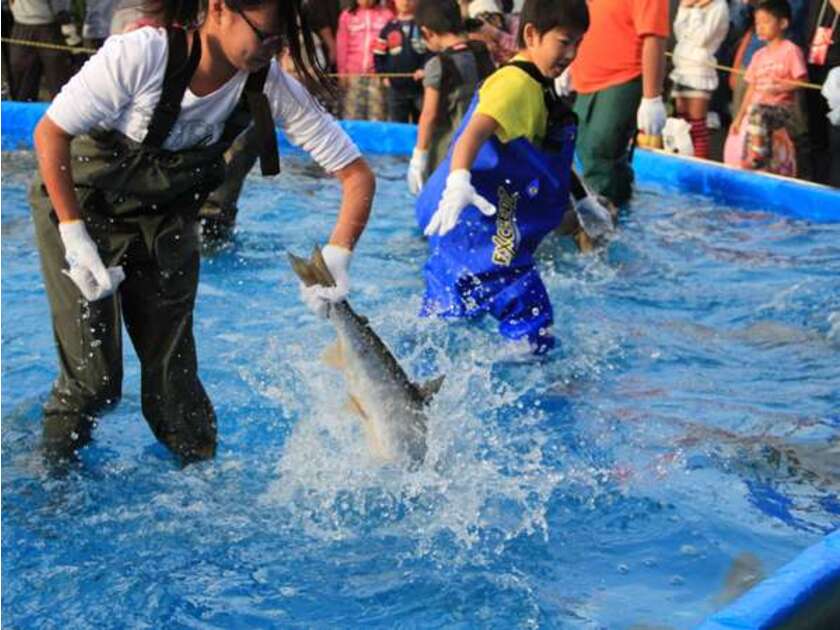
[699, 137]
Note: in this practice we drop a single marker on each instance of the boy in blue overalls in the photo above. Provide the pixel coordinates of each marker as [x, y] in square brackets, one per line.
[505, 184]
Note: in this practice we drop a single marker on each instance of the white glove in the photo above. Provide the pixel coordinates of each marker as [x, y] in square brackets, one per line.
[71, 34]
[563, 83]
[86, 268]
[831, 92]
[458, 194]
[87, 284]
[651, 115]
[318, 297]
[417, 170]
[593, 216]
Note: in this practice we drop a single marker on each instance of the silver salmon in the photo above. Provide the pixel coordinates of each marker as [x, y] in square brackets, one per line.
[392, 407]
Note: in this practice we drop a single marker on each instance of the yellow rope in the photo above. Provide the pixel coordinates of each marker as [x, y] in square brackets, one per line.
[377, 75]
[717, 66]
[26, 42]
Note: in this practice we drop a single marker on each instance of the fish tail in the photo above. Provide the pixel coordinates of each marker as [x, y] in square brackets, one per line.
[313, 271]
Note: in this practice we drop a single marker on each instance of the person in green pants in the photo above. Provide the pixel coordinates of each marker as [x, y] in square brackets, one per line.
[618, 76]
[127, 154]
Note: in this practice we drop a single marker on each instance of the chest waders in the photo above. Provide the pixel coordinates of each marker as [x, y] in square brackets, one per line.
[451, 111]
[486, 264]
[139, 203]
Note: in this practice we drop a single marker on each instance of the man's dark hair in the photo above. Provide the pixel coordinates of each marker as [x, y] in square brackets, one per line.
[548, 14]
[779, 9]
[439, 16]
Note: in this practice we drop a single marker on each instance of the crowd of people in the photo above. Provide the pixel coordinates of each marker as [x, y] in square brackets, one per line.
[153, 136]
[714, 52]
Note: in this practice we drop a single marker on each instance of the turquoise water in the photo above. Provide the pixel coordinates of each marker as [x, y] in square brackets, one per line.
[690, 418]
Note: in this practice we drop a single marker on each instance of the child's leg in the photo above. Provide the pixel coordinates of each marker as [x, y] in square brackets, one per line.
[524, 310]
[681, 106]
[756, 138]
[696, 110]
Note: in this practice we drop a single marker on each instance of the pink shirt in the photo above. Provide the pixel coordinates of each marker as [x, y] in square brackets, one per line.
[771, 63]
[356, 36]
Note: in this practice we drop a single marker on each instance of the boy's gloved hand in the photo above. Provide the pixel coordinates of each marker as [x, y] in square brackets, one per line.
[651, 116]
[594, 216]
[417, 170]
[458, 194]
[831, 92]
[318, 297]
[86, 268]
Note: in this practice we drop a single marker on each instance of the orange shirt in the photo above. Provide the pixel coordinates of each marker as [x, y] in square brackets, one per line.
[611, 50]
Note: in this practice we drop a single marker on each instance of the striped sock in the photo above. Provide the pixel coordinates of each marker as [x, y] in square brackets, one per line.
[699, 137]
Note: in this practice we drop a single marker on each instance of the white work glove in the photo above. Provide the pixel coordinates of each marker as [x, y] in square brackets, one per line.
[594, 217]
[86, 268]
[563, 83]
[831, 92]
[417, 170]
[458, 194]
[318, 297]
[651, 115]
[71, 34]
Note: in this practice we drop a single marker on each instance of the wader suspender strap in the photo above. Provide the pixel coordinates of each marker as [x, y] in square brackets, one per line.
[263, 122]
[179, 71]
[253, 105]
[557, 111]
[483, 62]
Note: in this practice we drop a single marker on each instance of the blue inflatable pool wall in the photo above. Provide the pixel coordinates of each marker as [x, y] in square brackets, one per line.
[805, 594]
[727, 185]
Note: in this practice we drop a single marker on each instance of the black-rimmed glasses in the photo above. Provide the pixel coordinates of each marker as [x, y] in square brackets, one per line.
[261, 35]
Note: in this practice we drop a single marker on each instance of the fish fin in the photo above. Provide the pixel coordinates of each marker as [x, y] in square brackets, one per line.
[325, 278]
[374, 443]
[354, 406]
[334, 356]
[431, 387]
[312, 271]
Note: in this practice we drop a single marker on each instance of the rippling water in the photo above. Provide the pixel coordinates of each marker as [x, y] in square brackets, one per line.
[689, 418]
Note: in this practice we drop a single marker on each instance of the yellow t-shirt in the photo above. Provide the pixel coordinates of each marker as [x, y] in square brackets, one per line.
[515, 101]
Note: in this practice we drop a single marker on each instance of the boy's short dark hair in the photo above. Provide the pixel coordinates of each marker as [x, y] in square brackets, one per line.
[779, 9]
[439, 16]
[548, 14]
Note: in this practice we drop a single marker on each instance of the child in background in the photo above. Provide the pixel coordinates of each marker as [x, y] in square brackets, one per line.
[506, 184]
[358, 28]
[400, 49]
[494, 28]
[450, 79]
[770, 96]
[700, 28]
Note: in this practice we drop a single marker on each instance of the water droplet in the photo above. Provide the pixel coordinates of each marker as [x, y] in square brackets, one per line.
[623, 569]
[535, 311]
[676, 580]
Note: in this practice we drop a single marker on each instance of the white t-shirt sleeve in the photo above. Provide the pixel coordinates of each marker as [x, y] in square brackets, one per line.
[111, 80]
[306, 123]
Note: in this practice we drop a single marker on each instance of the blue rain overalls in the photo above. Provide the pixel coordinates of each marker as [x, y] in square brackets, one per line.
[486, 264]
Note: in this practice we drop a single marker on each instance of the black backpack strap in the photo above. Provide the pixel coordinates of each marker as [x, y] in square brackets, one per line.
[450, 76]
[179, 70]
[559, 111]
[483, 61]
[253, 106]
